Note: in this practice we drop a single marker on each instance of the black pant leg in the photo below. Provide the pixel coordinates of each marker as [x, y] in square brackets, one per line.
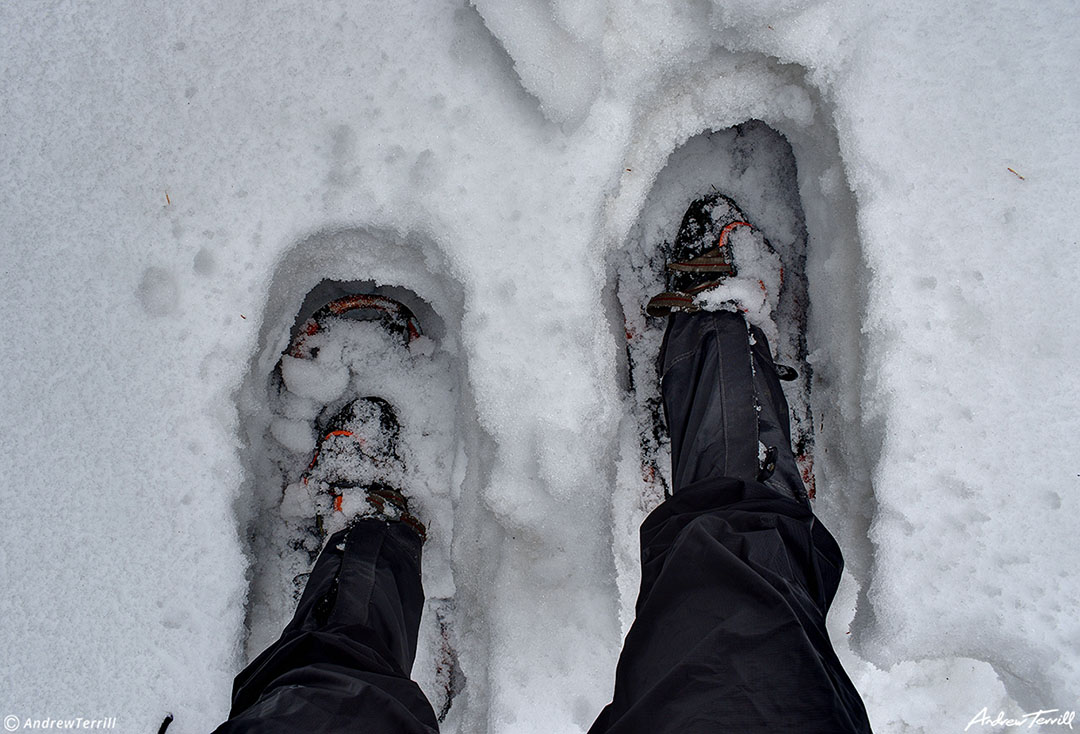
[737, 575]
[730, 630]
[707, 384]
[342, 664]
[774, 424]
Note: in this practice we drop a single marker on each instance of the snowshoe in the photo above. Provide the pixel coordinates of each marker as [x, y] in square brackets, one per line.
[717, 260]
[329, 457]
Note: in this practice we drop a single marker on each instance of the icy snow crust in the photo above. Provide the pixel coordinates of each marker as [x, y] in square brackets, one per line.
[178, 177]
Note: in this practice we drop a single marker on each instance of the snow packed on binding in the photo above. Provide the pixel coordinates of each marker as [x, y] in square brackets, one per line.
[752, 165]
[366, 349]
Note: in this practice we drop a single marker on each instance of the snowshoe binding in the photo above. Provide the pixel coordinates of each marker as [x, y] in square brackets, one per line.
[357, 469]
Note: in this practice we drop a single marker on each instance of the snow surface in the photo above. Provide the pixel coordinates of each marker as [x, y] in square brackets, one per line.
[177, 177]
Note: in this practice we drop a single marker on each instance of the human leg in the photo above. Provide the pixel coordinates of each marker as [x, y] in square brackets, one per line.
[343, 662]
[730, 629]
[723, 402]
[737, 573]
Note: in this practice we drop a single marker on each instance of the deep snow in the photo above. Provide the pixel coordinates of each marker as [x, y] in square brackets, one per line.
[177, 177]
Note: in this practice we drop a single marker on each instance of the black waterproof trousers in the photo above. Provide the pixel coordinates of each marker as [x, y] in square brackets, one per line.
[342, 664]
[737, 576]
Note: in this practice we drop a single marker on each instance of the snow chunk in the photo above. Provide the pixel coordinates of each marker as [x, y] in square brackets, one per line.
[755, 290]
[295, 435]
[321, 379]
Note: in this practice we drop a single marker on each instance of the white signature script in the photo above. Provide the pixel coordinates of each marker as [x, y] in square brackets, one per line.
[1042, 718]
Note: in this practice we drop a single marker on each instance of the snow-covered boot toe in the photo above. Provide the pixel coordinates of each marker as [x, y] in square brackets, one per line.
[721, 262]
[357, 469]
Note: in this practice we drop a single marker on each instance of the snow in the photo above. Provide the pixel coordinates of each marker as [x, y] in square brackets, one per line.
[177, 179]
